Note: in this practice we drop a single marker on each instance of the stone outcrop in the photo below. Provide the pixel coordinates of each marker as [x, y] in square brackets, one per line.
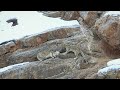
[18, 58]
[108, 29]
[48, 69]
[24, 55]
[36, 70]
[20, 49]
[65, 15]
[55, 33]
[89, 17]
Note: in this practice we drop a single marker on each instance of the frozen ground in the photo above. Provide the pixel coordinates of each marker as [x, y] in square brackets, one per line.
[29, 22]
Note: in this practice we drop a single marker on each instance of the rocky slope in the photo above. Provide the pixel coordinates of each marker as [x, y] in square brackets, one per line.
[98, 38]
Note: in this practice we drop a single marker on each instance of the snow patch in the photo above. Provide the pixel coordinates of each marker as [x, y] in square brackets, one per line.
[29, 22]
[113, 65]
[105, 70]
[114, 62]
[12, 66]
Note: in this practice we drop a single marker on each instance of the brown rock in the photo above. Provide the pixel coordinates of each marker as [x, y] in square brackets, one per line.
[62, 32]
[30, 54]
[65, 15]
[108, 29]
[2, 50]
[31, 41]
[109, 50]
[89, 17]
[70, 15]
[55, 33]
[9, 46]
[27, 48]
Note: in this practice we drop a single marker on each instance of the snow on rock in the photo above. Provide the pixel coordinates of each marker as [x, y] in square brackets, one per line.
[112, 13]
[113, 67]
[29, 22]
[104, 71]
[114, 62]
[12, 66]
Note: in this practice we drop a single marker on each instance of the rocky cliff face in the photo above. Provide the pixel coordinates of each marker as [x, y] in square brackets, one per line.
[96, 40]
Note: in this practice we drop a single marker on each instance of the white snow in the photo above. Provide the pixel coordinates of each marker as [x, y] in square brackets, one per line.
[12, 66]
[112, 13]
[114, 62]
[29, 22]
[113, 65]
[105, 70]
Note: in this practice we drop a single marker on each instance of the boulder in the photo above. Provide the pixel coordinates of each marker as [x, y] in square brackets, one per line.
[89, 17]
[26, 48]
[108, 29]
[55, 33]
[49, 69]
[36, 70]
[24, 55]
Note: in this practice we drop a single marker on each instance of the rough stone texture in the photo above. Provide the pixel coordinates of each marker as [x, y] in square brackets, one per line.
[108, 29]
[24, 55]
[109, 50]
[70, 15]
[23, 45]
[48, 69]
[55, 33]
[105, 46]
[8, 47]
[29, 54]
[65, 15]
[89, 17]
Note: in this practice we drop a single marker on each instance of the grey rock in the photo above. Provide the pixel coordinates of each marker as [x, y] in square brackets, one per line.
[34, 70]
